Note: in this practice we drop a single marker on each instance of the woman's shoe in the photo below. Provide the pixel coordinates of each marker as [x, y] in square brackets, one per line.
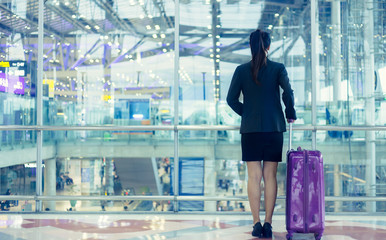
[257, 230]
[267, 230]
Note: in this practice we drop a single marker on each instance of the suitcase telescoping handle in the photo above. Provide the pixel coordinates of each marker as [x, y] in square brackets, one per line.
[290, 137]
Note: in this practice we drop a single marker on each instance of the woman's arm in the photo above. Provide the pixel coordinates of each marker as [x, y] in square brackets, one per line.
[288, 95]
[234, 94]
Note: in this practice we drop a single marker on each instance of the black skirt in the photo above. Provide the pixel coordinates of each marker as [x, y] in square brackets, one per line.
[258, 146]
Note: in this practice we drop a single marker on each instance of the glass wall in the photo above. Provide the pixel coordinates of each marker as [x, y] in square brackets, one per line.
[110, 98]
[135, 165]
[111, 64]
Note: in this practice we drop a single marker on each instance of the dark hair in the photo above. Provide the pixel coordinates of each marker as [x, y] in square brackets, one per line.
[259, 41]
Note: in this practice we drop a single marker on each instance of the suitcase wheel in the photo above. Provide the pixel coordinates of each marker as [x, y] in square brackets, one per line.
[289, 236]
[318, 236]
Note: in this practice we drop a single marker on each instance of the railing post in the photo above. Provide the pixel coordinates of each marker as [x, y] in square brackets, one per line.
[39, 108]
[314, 66]
[176, 99]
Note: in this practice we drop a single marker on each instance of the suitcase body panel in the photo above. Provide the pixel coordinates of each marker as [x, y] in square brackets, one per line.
[305, 205]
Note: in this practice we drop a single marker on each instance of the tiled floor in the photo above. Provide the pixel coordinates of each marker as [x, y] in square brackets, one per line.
[186, 227]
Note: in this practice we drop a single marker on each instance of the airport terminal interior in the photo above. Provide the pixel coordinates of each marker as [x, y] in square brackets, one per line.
[114, 122]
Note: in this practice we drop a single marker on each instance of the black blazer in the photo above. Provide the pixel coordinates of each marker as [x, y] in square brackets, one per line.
[261, 109]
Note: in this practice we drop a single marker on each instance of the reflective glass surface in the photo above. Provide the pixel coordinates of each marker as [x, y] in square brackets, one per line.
[112, 63]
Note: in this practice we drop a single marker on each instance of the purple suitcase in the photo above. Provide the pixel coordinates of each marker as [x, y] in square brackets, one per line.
[305, 192]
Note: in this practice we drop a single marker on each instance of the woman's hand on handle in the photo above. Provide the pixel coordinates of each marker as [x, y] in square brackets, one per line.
[290, 120]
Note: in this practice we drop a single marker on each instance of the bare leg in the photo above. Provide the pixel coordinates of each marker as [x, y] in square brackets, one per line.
[254, 191]
[270, 188]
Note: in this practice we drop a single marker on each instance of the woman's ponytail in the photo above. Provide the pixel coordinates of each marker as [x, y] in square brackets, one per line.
[259, 42]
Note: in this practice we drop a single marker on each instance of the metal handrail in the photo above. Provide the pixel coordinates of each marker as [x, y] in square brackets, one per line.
[180, 128]
[171, 198]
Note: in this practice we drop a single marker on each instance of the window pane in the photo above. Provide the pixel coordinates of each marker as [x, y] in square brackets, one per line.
[94, 163]
[112, 63]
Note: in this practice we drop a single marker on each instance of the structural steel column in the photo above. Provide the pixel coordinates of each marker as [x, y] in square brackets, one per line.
[50, 182]
[314, 65]
[39, 107]
[337, 187]
[337, 75]
[336, 49]
[216, 24]
[176, 182]
[368, 28]
[87, 173]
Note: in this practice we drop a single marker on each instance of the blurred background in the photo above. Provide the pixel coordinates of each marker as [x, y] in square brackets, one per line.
[111, 63]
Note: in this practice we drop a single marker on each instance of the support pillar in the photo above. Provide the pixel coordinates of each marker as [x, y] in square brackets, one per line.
[50, 183]
[216, 25]
[210, 183]
[87, 179]
[336, 50]
[337, 188]
[314, 67]
[368, 28]
[39, 108]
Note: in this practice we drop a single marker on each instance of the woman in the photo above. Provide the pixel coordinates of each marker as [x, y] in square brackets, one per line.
[262, 123]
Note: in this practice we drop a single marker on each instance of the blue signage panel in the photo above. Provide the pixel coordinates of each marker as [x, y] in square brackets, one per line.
[85, 173]
[191, 182]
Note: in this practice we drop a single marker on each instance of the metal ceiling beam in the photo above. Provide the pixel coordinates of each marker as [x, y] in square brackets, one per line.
[122, 56]
[5, 29]
[65, 15]
[32, 22]
[83, 59]
[280, 3]
[123, 25]
[160, 6]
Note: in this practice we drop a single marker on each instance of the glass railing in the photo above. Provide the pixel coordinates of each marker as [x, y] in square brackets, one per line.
[132, 168]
